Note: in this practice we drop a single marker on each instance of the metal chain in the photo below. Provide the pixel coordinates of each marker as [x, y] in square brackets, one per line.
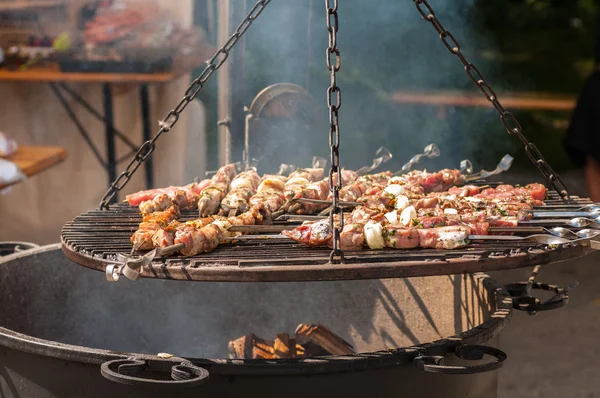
[334, 102]
[212, 65]
[509, 121]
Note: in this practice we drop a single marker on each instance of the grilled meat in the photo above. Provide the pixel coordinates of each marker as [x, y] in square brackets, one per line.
[143, 196]
[377, 235]
[241, 189]
[151, 223]
[184, 199]
[320, 191]
[211, 196]
[201, 238]
[269, 196]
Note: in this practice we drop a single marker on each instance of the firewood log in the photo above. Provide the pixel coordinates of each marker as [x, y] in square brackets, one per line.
[312, 337]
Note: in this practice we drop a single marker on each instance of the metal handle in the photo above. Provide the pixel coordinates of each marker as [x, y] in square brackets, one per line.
[435, 363]
[138, 372]
[523, 301]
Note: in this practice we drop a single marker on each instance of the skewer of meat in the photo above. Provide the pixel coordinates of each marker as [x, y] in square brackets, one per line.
[184, 199]
[408, 229]
[398, 197]
[155, 221]
[241, 189]
[377, 235]
[318, 190]
[137, 198]
[359, 187]
[196, 240]
[211, 196]
[165, 237]
[151, 223]
[271, 198]
[207, 238]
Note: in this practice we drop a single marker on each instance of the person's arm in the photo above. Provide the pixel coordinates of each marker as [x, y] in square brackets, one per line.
[592, 176]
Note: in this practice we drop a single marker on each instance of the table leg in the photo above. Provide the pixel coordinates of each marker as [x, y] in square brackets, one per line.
[146, 132]
[111, 151]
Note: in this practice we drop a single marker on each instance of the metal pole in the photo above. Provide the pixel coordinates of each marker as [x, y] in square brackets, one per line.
[147, 132]
[111, 150]
[223, 83]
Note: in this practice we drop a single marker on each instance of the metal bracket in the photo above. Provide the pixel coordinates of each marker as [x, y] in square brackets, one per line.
[133, 266]
[435, 363]
[524, 301]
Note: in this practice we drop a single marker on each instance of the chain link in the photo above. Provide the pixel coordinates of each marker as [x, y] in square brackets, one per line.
[509, 121]
[334, 102]
[191, 93]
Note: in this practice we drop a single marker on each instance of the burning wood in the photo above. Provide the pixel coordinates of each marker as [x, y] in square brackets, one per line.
[308, 341]
[251, 346]
[320, 336]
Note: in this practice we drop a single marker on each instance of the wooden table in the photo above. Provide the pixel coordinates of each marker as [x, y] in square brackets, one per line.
[529, 101]
[35, 159]
[54, 75]
[59, 83]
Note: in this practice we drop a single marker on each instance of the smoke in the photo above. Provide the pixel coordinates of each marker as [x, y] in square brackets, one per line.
[386, 46]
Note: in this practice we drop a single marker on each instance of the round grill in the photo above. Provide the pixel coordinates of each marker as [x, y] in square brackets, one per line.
[95, 238]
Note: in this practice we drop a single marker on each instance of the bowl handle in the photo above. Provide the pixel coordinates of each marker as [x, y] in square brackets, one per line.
[435, 363]
[136, 371]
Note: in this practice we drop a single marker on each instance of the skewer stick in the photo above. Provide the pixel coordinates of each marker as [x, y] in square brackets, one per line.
[294, 217]
[504, 165]
[254, 237]
[430, 151]
[524, 230]
[325, 202]
[265, 229]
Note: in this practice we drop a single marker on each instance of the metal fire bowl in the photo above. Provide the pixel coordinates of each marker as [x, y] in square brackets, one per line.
[94, 240]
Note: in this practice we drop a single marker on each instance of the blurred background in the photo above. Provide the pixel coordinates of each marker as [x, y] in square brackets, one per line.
[92, 77]
[401, 87]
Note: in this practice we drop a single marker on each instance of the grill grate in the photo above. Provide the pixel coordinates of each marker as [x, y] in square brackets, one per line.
[93, 239]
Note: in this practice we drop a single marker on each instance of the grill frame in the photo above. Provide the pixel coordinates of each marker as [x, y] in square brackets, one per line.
[94, 238]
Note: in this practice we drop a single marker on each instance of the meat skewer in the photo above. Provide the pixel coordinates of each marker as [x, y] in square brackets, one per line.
[241, 189]
[137, 198]
[379, 190]
[151, 223]
[269, 196]
[318, 190]
[207, 238]
[211, 196]
[367, 222]
[164, 234]
[184, 199]
[379, 234]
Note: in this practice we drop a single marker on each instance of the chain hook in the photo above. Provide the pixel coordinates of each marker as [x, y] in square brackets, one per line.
[334, 102]
[509, 121]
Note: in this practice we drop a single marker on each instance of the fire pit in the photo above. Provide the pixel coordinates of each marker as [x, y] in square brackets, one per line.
[65, 332]
[61, 323]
